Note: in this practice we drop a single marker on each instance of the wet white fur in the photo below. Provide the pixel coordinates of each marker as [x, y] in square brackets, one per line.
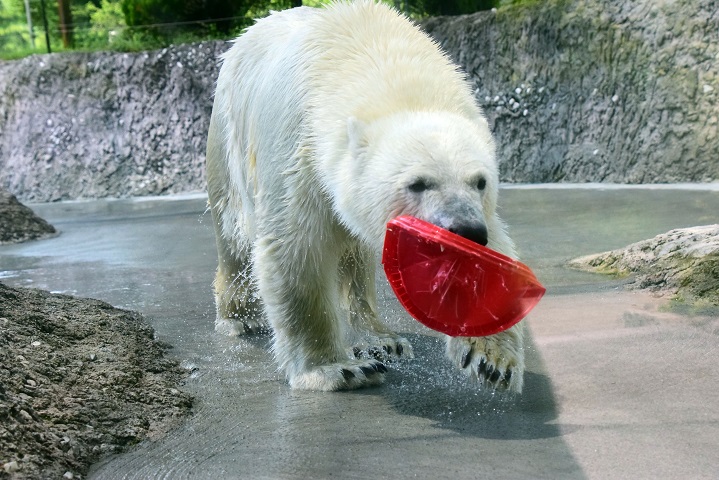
[321, 120]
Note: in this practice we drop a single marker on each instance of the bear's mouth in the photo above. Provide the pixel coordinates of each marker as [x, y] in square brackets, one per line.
[475, 232]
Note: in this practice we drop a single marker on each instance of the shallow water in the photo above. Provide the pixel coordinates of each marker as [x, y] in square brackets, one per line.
[617, 387]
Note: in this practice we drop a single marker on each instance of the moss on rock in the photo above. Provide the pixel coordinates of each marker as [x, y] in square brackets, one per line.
[683, 263]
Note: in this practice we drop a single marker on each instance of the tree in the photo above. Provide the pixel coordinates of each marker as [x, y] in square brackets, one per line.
[66, 25]
[188, 14]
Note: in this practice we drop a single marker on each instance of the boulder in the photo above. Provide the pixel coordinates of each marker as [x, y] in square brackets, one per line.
[682, 262]
[19, 223]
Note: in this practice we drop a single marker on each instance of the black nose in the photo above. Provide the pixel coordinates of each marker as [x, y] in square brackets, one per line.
[476, 232]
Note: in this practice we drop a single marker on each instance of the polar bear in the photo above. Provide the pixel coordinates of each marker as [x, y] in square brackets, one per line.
[326, 124]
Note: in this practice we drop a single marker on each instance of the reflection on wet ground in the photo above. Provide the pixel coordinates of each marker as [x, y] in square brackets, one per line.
[617, 387]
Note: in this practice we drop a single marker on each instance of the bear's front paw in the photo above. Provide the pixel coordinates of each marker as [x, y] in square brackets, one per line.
[234, 327]
[347, 375]
[496, 361]
[383, 347]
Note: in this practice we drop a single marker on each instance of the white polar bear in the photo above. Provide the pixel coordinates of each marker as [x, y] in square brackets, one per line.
[326, 124]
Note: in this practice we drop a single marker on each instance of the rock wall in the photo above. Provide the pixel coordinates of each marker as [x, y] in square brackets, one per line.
[615, 91]
[610, 91]
[88, 125]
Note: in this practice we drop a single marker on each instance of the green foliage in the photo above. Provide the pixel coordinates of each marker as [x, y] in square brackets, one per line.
[128, 25]
[504, 3]
[15, 39]
[190, 14]
[457, 7]
[133, 25]
[107, 24]
[262, 9]
[13, 34]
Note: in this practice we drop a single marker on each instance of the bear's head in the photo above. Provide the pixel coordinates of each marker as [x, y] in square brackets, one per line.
[436, 166]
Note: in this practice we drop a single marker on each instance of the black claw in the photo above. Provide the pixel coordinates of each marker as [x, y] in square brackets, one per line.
[347, 374]
[466, 358]
[508, 376]
[399, 349]
[483, 367]
[373, 368]
[375, 352]
[495, 376]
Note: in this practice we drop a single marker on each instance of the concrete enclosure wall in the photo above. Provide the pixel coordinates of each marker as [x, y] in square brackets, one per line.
[88, 125]
[600, 91]
[613, 91]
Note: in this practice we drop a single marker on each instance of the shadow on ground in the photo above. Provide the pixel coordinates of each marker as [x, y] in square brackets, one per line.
[430, 387]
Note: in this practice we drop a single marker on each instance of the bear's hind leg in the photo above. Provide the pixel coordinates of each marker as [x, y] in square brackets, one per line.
[299, 287]
[239, 309]
[370, 337]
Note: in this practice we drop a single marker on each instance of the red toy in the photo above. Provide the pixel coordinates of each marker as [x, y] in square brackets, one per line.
[454, 285]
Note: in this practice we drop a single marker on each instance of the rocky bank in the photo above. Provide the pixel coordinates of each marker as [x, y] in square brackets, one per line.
[78, 379]
[576, 90]
[683, 263]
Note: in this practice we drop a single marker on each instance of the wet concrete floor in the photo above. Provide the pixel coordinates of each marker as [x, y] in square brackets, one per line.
[617, 386]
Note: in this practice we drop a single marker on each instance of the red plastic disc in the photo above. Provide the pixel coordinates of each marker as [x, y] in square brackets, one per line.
[453, 285]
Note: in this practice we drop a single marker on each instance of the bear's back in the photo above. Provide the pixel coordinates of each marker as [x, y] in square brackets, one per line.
[359, 59]
[291, 82]
[367, 61]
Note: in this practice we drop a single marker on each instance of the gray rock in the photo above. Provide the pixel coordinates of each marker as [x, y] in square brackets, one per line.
[18, 223]
[60, 412]
[683, 262]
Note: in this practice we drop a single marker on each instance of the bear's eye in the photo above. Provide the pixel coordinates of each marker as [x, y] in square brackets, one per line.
[481, 183]
[419, 185]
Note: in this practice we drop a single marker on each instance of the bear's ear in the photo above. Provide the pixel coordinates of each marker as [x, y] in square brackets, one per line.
[356, 136]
